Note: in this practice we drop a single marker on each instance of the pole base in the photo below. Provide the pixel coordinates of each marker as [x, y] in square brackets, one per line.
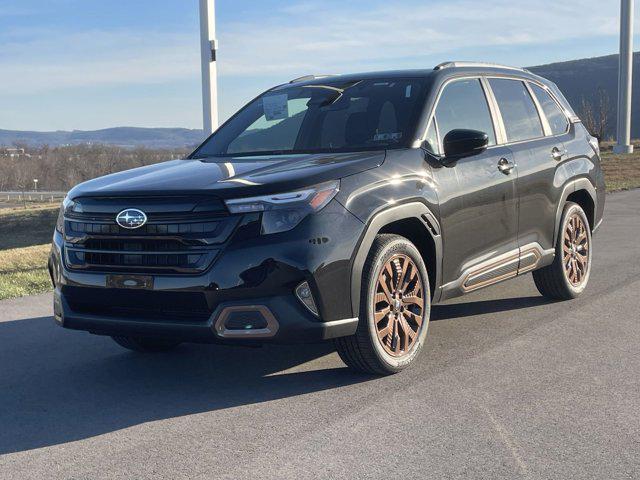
[623, 149]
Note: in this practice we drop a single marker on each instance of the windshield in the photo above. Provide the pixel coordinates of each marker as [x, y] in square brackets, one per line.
[372, 114]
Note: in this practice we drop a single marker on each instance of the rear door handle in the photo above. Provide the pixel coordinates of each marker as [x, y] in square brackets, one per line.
[505, 166]
[558, 154]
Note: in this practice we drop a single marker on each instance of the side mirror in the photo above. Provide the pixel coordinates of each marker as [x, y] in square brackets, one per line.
[464, 143]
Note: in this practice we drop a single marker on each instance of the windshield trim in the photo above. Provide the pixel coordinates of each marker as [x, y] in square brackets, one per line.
[315, 151]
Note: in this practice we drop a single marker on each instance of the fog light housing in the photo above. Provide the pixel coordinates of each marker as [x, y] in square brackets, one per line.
[303, 292]
[239, 321]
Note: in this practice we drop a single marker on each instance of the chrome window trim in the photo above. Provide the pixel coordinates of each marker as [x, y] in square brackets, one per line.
[438, 146]
[439, 138]
[544, 121]
[496, 114]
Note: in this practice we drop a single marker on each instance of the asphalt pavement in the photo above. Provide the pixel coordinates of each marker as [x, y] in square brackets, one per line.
[509, 385]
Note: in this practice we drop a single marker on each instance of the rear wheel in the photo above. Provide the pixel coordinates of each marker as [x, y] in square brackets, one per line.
[146, 344]
[394, 309]
[568, 275]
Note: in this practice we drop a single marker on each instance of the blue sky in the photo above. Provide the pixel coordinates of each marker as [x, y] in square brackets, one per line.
[88, 64]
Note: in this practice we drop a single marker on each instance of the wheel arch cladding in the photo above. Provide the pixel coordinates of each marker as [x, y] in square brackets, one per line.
[413, 230]
[586, 202]
[413, 221]
[581, 190]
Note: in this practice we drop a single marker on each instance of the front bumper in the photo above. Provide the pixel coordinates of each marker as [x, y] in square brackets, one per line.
[253, 275]
[293, 327]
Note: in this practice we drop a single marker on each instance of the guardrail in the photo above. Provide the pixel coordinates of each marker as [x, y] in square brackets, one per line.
[32, 196]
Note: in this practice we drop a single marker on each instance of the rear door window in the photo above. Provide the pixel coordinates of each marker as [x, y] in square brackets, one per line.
[555, 116]
[519, 113]
[463, 105]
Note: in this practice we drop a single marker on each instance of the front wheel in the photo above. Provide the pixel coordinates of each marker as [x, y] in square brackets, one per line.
[568, 275]
[394, 309]
[146, 344]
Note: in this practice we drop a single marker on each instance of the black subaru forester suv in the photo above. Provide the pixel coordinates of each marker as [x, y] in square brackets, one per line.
[338, 207]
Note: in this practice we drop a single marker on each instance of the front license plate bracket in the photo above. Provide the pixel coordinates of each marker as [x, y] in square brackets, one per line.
[140, 282]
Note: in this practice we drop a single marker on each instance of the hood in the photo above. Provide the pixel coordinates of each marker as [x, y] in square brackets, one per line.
[229, 177]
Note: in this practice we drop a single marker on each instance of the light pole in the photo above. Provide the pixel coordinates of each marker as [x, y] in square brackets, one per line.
[625, 78]
[208, 47]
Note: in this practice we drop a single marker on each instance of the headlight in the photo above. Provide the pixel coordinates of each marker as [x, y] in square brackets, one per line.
[282, 212]
[66, 207]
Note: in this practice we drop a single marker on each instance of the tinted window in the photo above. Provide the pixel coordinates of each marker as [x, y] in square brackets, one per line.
[371, 114]
[272, 131]
[463, 105]
[519, 113]
[556, 118]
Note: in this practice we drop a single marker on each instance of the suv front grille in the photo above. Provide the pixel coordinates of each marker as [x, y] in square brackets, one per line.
[185, 243]
[111, 261]
[149, 229]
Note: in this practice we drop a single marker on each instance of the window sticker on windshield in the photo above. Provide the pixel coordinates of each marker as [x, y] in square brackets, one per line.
[407, 91]
[276, 107]
[379, 137]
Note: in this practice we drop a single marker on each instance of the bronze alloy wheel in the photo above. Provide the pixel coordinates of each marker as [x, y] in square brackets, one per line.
[399, 305]
[575, 250]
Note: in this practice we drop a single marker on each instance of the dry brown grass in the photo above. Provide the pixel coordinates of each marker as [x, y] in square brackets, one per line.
[19, 207]
[23, 271]
[25, 238]
[621, 172]
[20, 227]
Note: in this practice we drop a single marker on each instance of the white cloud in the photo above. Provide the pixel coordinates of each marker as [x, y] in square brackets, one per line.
[305, 36]
[312, 36]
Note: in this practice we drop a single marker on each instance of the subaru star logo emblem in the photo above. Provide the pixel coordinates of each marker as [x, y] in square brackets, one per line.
[131, 218]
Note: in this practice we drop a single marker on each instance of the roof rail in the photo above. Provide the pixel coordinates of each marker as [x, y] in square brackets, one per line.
[476, 64]
[310, 77]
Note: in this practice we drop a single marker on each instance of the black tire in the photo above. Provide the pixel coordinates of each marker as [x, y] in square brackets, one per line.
[364, 351]
[146, 344]
[553, 281]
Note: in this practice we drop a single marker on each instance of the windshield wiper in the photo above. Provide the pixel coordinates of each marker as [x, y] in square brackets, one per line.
[336, 92]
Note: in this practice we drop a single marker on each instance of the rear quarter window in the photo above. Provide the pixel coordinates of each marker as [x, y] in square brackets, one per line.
[555, 116]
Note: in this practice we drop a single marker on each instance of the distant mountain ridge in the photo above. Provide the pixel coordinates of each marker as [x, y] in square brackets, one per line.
[582, 79]
[119, 136]
[578, 80]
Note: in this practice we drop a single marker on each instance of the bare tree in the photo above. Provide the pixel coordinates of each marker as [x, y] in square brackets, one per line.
[6, 173]
[604, 112]
[60, 168]
[596, 114]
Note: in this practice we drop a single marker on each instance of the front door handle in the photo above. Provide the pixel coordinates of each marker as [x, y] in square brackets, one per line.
[558, 154]
[505, 166]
